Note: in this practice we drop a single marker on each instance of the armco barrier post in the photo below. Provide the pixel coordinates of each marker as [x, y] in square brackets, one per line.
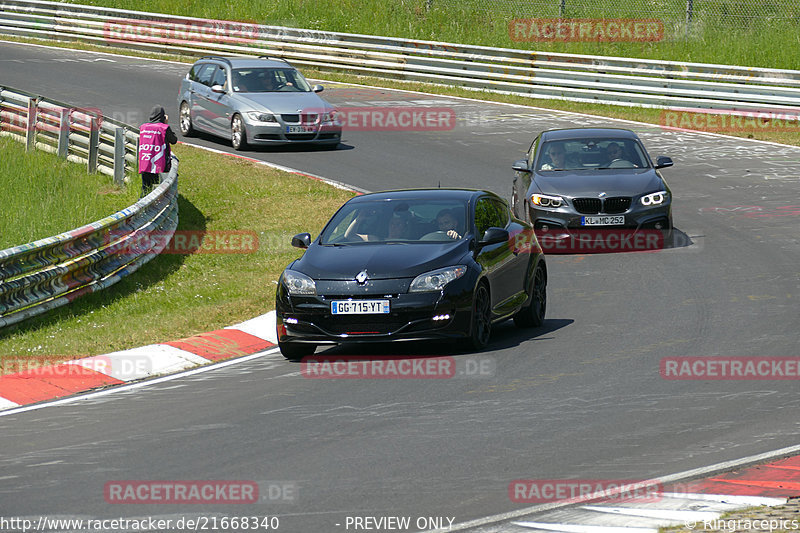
[63, 133]
[119, 155]
[94, 143]
[30, 130]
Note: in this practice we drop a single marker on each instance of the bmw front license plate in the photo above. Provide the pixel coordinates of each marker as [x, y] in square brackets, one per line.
[603, 221]
[300, 129]
[359, 307]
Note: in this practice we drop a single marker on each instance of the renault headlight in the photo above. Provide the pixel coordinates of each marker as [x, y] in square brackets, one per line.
[297, 283]
[435, 280]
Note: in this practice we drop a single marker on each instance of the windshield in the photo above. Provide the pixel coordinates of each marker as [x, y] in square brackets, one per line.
[397, 220]
[591, 154]
[268, 80]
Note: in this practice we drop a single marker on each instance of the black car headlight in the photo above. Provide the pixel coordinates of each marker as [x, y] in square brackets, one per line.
[435, 280]
[298, 283]
[262, 117]
[543, 200]
[656, 198]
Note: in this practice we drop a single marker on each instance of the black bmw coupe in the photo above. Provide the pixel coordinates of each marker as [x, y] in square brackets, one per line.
[411, 265]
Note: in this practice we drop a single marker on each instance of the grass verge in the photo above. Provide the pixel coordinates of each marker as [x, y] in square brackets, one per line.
[39, 182]
[178, 295]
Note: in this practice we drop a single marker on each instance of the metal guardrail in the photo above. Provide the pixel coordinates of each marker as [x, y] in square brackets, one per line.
[609, 80]
[51, 272]
[80, 135]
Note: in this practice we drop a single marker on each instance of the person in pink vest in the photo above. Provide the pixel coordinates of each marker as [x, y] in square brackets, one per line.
[155, 137]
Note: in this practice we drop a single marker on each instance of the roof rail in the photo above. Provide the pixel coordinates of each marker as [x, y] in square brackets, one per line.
[218, 58]
[274, 59]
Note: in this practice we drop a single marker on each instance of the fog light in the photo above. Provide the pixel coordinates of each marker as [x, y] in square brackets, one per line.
[290, 320]
[441, 317]
[659, 225]
[545, 227]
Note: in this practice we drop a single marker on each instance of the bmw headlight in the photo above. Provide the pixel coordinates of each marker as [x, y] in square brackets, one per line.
[656, 198]
[297, 283]
[543, 200]
[435, 280]
[329, 118]
[262, 117]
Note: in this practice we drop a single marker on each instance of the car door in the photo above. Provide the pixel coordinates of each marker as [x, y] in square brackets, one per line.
[522, 182]
[219, 104]
[201, 88]
[496, 259]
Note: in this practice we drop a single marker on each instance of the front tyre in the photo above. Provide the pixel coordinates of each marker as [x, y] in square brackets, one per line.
[294, 351]
[186, 120]
[481, 326]
[532, 316]
[238, 133]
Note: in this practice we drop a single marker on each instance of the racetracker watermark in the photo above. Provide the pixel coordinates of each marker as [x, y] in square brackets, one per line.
[125, 367]
[601, 241]
[403, 118]
[585, 30]
[183, 242]
[730, 120]
[50, 118]
[396, 367]
[181, 492]
[49, 366]
[180, 31]
[578, 490]
[730, 368]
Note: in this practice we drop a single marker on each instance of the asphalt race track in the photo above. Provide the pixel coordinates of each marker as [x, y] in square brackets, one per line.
[581, 398]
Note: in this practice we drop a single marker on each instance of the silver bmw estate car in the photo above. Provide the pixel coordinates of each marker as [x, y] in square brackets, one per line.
[255, 101]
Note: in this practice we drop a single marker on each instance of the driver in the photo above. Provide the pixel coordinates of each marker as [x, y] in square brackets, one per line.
[613, 152]
[448, 223]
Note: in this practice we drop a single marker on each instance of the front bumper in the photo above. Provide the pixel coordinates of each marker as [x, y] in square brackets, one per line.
[278, 132]
[412, 316]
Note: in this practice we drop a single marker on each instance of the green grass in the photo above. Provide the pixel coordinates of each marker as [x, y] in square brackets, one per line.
[39, 183]
[175, 296]
[766, 35]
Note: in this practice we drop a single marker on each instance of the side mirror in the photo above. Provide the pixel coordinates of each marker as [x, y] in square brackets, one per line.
[521, 166]
[318, 88]
[301, 240]
[663, 161]
[493, 236]
[217, 89]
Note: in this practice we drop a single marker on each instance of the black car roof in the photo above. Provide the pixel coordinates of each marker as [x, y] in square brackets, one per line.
[581, 133]
[444, 194]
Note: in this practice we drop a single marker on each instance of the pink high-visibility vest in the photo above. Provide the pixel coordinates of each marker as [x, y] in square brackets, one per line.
[153, 149]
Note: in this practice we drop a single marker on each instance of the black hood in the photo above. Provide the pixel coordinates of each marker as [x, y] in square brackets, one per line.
[157, 114]
[381, 261]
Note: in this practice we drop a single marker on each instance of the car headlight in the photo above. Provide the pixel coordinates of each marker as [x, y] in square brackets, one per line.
[297, 283]
[656, 198]
[329, 118]
[262, 117]
[435, 280]
[543, 200]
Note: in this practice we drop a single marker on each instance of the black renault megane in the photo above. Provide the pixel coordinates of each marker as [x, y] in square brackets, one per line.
[411, 265]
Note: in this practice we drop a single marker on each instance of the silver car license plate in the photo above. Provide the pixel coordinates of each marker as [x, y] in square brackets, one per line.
[359, 307]
[611, 220]
[300, 129]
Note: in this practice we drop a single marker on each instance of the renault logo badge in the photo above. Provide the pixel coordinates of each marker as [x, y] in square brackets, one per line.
[362, 276]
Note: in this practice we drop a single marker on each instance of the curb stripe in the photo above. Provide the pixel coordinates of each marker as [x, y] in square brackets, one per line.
[51, 382]
[221, 344]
